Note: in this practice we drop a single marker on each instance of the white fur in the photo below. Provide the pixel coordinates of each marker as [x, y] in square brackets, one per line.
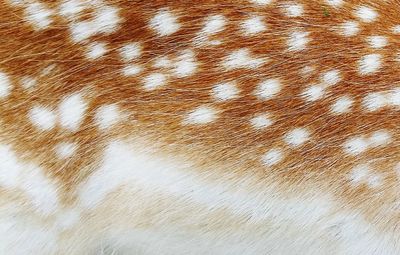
[131, 70]
[293, 10]
[154, 81]
[331, 77]
[65, 150]
[313, 93]
[165, 23]
[396, 29]
[39, 15]
[369, 64]
[280, 223]
[5, 85]
[342, 105]
[297, 137]
[361, 174]
[374, 101]
[298, 40]
[107, 116]
[25, 176]
[253, 25]
[42, 117]
[380, 138]
[72, 111]
[334, 3]
[261, 2]
[201, 115]
[106, 20]
[377, 41]
[225, 91]
[268, 89]
[130, 51]
[28, 82]
[214, 24]
[394, 97]
[261, 121]
[96, 50]
[356, 145]
[272, 157]
[242, 59]
[349, 28]
[71, 8]
[186, 64]
[366, 14]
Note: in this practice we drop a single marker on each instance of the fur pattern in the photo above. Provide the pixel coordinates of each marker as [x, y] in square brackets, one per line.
[199, 127]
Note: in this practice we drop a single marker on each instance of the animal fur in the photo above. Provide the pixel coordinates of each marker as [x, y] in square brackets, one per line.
[199, 127]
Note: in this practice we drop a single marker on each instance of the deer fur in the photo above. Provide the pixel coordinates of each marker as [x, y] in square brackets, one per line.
[199, 127]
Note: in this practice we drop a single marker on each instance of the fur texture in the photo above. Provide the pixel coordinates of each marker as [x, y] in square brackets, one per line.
[199, 127]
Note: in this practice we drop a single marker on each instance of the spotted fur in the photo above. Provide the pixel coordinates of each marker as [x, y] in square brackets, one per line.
[199, 127]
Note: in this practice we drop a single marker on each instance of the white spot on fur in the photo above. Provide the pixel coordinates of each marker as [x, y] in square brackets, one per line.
[361, 174]
[349, 28]
[80, 31]
[16, 3]
[369, 64]
[268, 89]
[307, 71]
[42, 117]
[331, 77]
[253, 25]
[272, 157]
[39, 15]
[374, 101]
[297, 137]
[65, 150]
[342, 105]
[261, 2]
[225, 91]
[186, 64]
[356, 145]
[214, 24]
[162, 62]
[71, 8]
[293, 10]
[107, 116]
[201, 115]
[380, 138]
[164, 23]
[28, 82]
[130, 51]
[366, 14]
[297, 41]
[154, 81]
[96, 50]
[377, 41]
[313, 93]
[106, 19]
[396, 29]
[241, 59]
[72, 111]
[261, 121]
[394, 97]
[131, 70]
[5, 85]
[334, 3]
